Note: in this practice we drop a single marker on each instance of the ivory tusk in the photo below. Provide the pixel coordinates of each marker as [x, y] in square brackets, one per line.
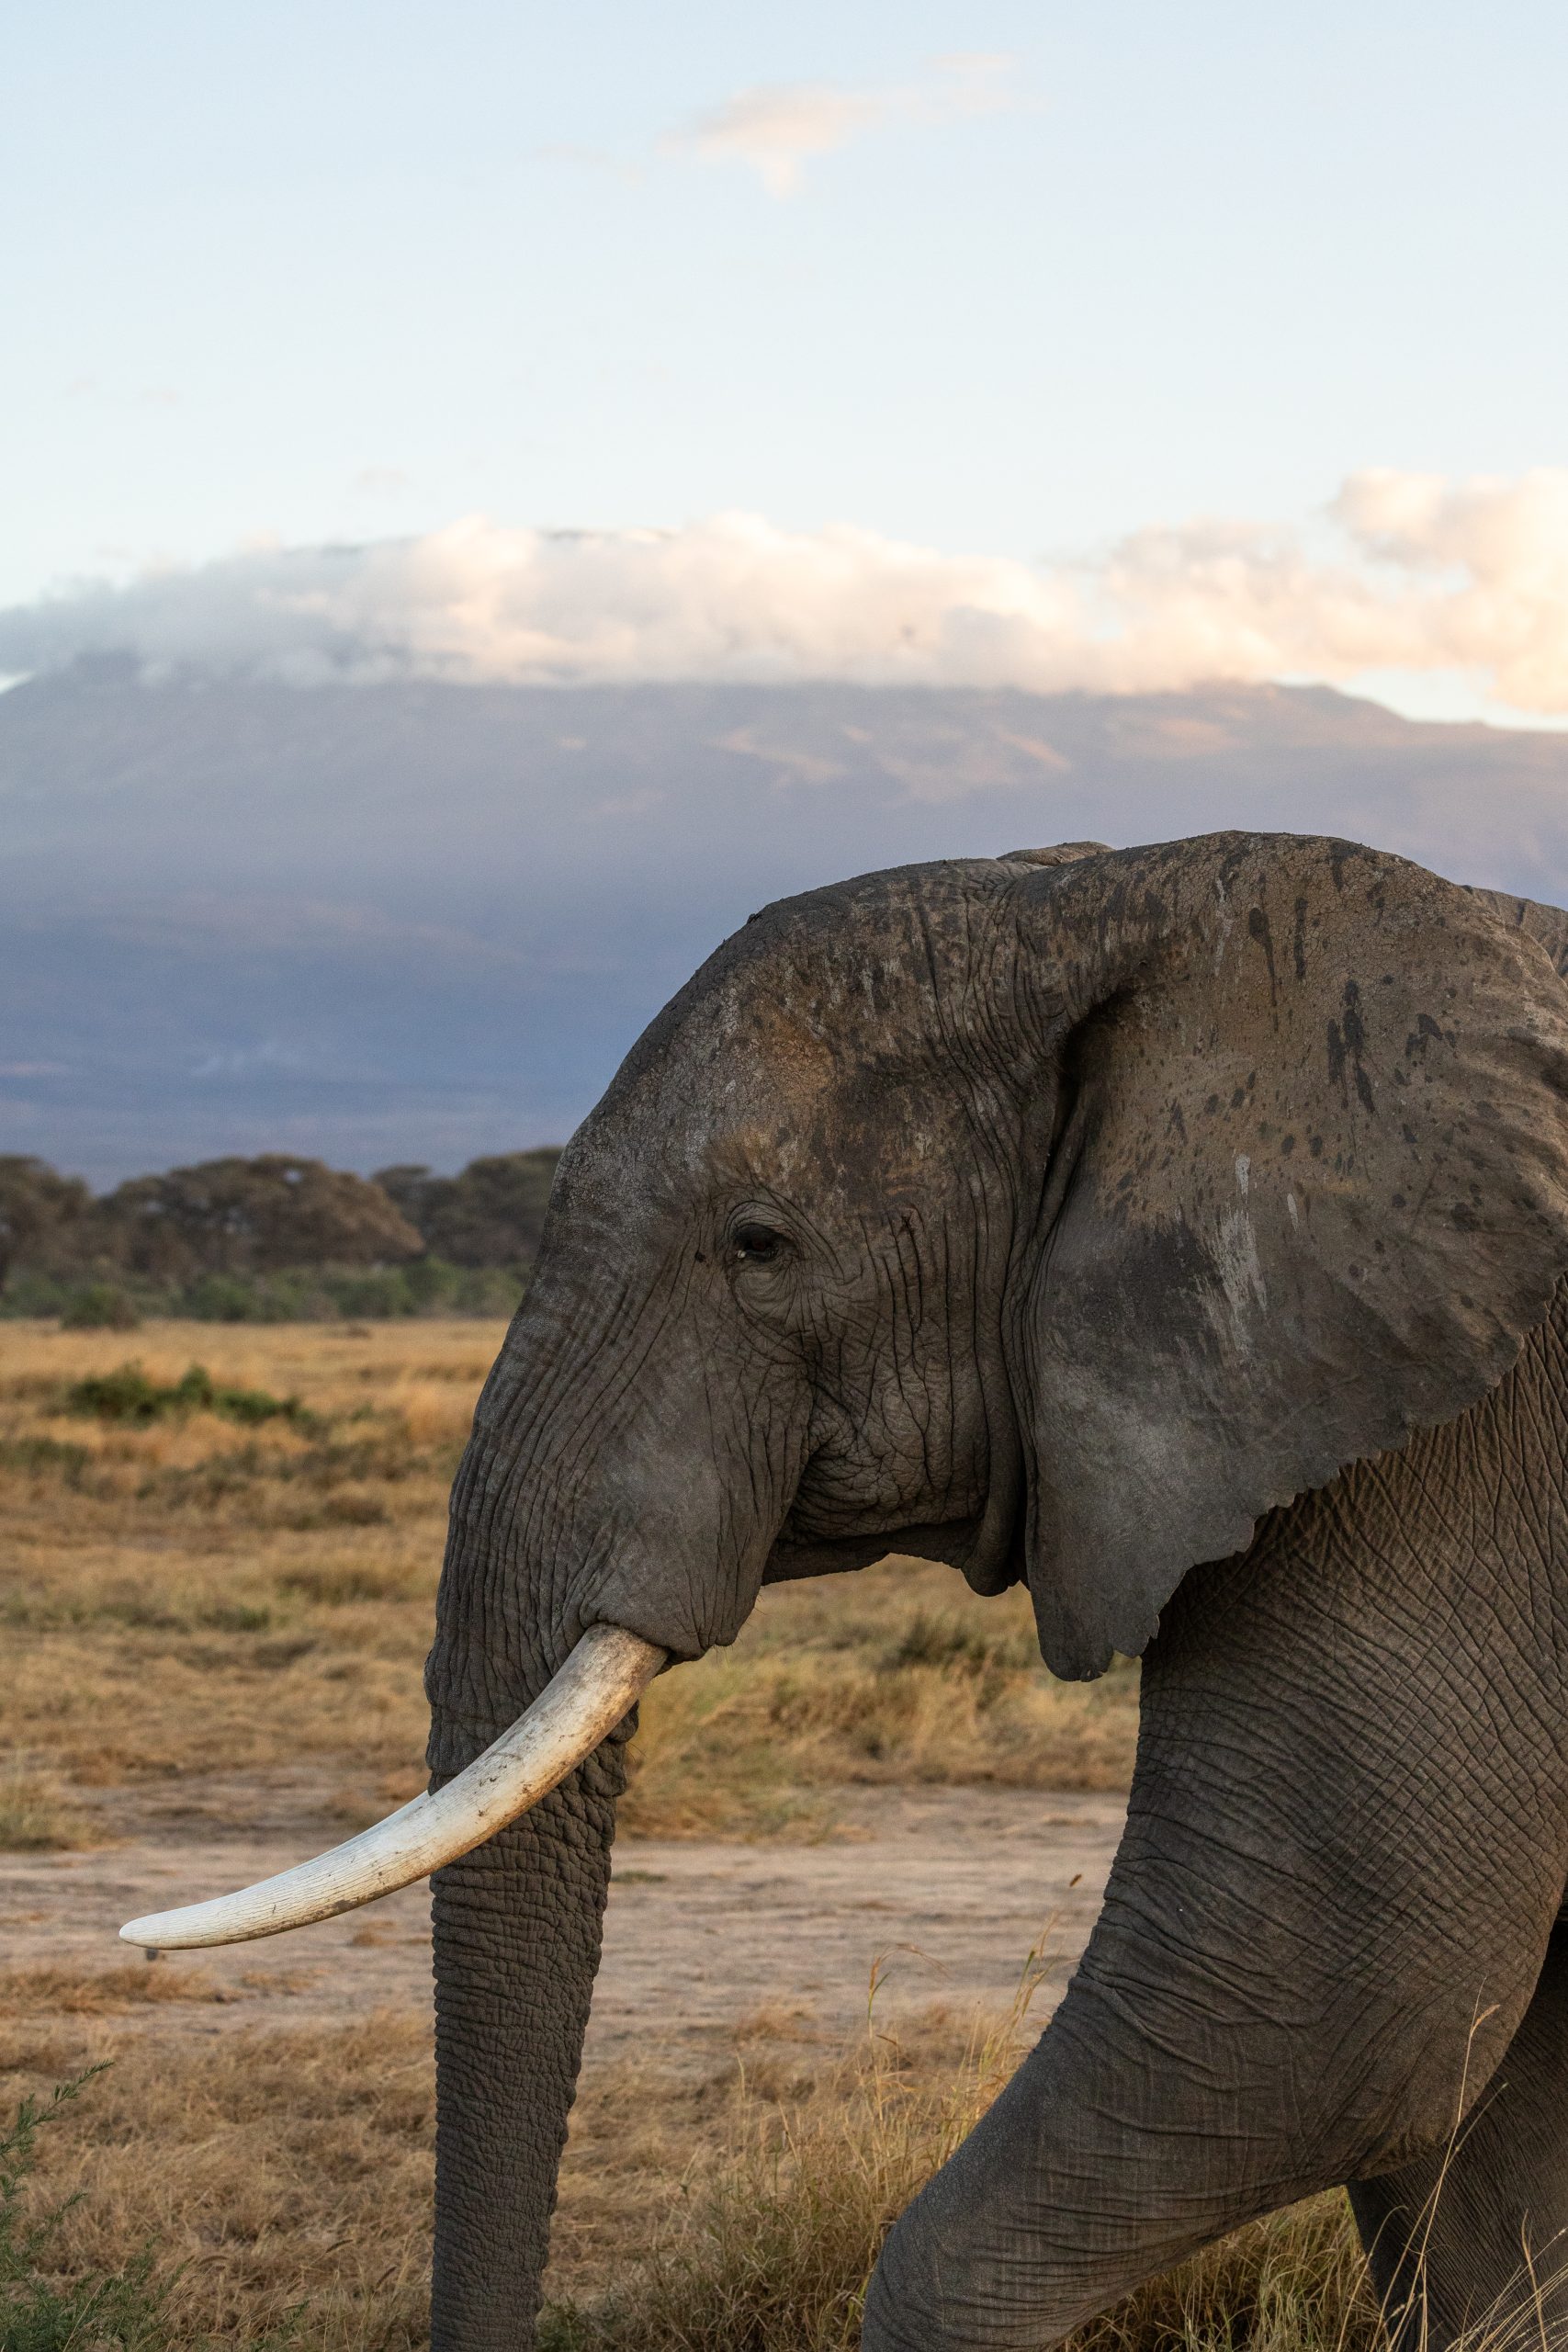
[599, 1684]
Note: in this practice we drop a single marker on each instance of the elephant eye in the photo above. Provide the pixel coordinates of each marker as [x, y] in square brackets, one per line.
[757, 1245]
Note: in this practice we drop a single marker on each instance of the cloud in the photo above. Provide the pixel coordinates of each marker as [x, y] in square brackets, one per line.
[774, 127]
[1420, 575]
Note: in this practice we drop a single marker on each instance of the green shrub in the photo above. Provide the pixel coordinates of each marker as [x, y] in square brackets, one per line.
[224, 1298]
[487, 1290]
[375, 1295]
[33, 1455]
[32, 1292]
[430, 1284]
[297, 1295]
[128, 1395]
[358, 1294]
[294, 1294]
[98, 1306]
[121, 2309]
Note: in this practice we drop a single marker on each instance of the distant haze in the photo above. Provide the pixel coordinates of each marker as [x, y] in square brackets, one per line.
[420, 921]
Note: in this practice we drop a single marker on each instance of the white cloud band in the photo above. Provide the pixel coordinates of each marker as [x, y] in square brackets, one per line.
[1426, 575]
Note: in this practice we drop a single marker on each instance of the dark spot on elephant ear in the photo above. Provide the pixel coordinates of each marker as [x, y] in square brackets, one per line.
[1258, 926]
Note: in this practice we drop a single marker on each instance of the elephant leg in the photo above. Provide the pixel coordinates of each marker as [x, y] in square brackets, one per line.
[1477, 2231]
[1344, 1857]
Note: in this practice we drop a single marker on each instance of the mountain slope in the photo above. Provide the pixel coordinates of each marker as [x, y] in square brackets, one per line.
[420, 921]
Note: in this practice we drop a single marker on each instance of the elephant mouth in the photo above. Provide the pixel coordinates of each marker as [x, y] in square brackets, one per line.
[970, 1545]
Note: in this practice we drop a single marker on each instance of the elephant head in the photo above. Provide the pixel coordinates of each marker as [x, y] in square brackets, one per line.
[1059, 1217]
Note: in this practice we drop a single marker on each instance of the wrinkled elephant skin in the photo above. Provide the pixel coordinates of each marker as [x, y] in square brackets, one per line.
[1177, 1230]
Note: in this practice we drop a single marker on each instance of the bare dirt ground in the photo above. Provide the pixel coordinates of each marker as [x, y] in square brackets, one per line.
[943, 1891]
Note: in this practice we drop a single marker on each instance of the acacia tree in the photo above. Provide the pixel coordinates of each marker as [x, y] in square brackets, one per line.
[491, 1215]
[38, 1209]
[253, 1216]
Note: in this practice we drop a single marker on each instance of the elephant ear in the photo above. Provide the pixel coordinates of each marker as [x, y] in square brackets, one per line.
[1309, 1188]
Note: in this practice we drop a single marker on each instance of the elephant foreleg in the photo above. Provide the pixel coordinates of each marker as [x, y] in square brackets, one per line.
[1344, 1856]
[1476, 2233]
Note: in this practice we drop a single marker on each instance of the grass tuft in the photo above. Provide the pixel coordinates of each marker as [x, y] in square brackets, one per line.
[37, 1817]
[128, 1395]
[103, 1992]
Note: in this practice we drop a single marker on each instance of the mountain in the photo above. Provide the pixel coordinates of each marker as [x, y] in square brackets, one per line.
[410, 921]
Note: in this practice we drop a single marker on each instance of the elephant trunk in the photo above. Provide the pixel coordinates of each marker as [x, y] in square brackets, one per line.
[517, 1921]
[517, 1927]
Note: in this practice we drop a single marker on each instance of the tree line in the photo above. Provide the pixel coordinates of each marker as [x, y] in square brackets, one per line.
[272, 1239]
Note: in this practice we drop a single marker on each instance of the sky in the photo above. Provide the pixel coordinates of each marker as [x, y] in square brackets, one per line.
[1099, 343]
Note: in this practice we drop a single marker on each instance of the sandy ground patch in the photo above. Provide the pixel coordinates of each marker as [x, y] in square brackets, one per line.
[947, 1889]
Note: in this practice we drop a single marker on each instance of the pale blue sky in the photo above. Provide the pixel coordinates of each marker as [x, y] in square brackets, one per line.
[354, 270]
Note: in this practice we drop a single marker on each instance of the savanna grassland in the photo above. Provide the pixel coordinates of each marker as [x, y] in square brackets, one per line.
[216, 1591]
[244, 1580]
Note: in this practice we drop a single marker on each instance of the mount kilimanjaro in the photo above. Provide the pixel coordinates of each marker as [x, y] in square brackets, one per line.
[414, 922]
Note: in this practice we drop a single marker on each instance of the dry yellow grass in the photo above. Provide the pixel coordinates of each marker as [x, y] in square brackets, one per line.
[279, 2169]
[37, 1816]
[897, 1675]
[92, 1992]
[731, 2206]
[193, 1596]
[803, 2162]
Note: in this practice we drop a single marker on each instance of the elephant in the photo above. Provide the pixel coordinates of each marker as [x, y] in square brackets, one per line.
[1182, 1231]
